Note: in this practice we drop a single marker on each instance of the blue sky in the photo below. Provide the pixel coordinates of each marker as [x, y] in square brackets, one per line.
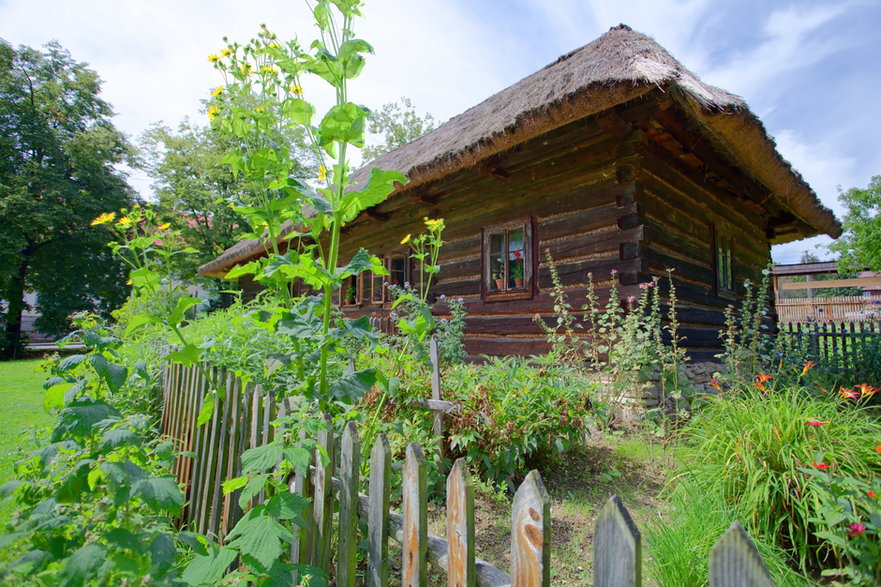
[811, 71]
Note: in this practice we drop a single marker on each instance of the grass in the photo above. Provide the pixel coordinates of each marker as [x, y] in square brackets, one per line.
[21, 403]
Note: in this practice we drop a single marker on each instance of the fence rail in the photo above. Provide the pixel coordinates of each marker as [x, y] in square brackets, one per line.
[212, 453]
[840, 345]
[831, 309]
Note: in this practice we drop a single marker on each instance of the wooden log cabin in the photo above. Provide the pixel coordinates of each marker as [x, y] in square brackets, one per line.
[613, 158]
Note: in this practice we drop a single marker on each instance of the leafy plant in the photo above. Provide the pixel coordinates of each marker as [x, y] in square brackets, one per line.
[680, 542]
[96, 503]
[750, 446]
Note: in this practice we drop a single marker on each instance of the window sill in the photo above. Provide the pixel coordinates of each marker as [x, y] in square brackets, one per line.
[502, 296]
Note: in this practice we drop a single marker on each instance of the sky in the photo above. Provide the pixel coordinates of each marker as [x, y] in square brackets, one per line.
[810, 70]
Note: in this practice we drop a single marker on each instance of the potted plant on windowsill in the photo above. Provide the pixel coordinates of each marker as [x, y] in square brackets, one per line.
[350, 295]
[498, 276]
[517, 269]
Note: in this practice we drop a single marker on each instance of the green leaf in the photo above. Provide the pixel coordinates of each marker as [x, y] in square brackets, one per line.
[259, 536]
[122, 538]
[8, 488]
[361, 261]
[54, 398]
[145, 278]
[160, 493]
[114, 375]
[254, 486]
[117, 437]
[353, 385]
[378, 188]
[184, 303]
[231, 485]
[188, 356]
[261, 458]
[139, 320]
[246, 269]
[207, 409]
[195, 541]
[82, 564]
[287, 506]
[79, 418]
[298, 456]
[344, 123]
[298, 111]
[209, 569]
[74, 483]
[162, 555]
[68, 363]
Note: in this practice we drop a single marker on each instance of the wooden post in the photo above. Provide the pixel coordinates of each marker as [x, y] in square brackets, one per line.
[322, 500]
[437, 426]
[617, 547]
[378, 506]
[461, 571]
[350, 464]
[735, 562]
[415, 546]
[531, 534]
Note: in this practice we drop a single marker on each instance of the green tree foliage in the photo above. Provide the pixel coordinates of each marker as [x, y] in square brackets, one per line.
[398, 124]
[860, 244]
[58, 151]
[194, 188]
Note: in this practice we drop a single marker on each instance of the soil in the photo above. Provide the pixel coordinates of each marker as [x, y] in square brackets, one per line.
[579, 484]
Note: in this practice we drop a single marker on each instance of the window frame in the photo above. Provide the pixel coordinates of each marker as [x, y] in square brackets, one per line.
[488, 291]
[723, 262]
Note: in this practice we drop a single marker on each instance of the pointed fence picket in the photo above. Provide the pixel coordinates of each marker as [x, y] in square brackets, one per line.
[212, 453]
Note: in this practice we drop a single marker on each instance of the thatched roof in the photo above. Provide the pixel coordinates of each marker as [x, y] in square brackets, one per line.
[618, 67]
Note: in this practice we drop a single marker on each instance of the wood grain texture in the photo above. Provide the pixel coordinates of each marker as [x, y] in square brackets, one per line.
[378, 529]
[414, 567]
[461, 571]
[531, 534]
[350, 466]
[617, 547]
[735, 562]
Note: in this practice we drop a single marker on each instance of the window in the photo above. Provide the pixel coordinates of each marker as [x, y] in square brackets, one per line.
[367, 288]
[508, 260]
[723, 262]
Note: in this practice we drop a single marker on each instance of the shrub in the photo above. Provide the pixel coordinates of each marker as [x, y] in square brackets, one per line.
[750, 448]
[516, 413]
[680, 544]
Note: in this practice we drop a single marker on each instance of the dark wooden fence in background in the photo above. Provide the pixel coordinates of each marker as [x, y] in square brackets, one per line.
[841, 345]
[242, 421]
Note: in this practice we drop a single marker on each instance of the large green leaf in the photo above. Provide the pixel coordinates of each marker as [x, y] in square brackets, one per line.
[298, 111]
[353, 385]
[187, 356]
[162, 555]
[209, 569]
[261, 458]
[344, 123]
[259, 536]
[68, 363]
[116, 437]
[160, 493]
[82, 565]
[287, 506]
[114, 375]
[122, 538]
[79, 418]
[361, 261]
[351, 58]
[207, 409]
[72, 485]
[145, 278]
[379, 186]
[184, 303]
[247, 269]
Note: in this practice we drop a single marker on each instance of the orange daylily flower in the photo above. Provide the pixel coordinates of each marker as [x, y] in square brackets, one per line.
[867, 391]
[848, 393]
[808, 366]
[715, 383]
[761, 378]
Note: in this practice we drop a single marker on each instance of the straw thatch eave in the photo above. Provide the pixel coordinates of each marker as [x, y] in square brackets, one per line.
[619, 67]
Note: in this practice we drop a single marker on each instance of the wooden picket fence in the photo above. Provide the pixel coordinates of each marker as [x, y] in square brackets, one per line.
[828, 309]
[212, 454]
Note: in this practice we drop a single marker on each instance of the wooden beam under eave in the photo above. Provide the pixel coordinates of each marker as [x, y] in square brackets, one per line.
[422, 198]
[376, 215]
[849, 282]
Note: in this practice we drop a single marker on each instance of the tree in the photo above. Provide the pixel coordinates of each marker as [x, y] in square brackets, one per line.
[398, 124]
[58, 152]
[859, 245]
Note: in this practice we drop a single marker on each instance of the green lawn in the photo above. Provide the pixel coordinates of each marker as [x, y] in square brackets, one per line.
[21, 405]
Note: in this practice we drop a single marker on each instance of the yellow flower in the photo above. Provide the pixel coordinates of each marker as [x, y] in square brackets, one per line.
[405, 240]
[433, 224]
[213, 112]
[245, 69]
[214, 58]
[322, 173]
[125, 222]
[163, 226]
[268, 69]
[297, 89]
[129, 282]
[225, 52]
[104, 218]
[273, 45]
[217, 91]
